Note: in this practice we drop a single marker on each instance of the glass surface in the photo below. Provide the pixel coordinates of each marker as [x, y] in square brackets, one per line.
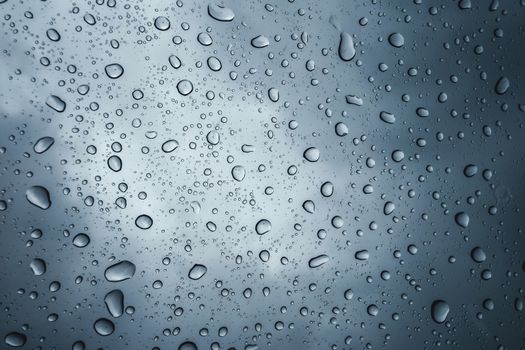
[184, 175]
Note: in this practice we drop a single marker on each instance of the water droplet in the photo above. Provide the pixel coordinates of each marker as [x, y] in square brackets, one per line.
[115, 163]
[502, 85]
[43, 144]
[220, 13]
[398, 155]
[311, 154]
[214, 63]
[462, 219]
[15, 339]
[144, 221]
[56, 103]
[188, 345]
[388, 118]
[213, 137]
[273, 94]
[238, 173]
[53, 35]
[396, 40]
[346, 47]
[162, 23]
[104, 327]
[362, 255]
[327, 189]
[372, 310]
[341, 129]
[197, 271]
[389, 208]
[260, 41]
[120, 271]
[478, 255]
[318, 261]
[170, 146]
[114, 301]
[185, 87]
[114, 70]
[204, 39]
[263, 226]
[39, 197]
[175, 61]
[354, 100]
[81, 240]
[38, 266]
[470, 170]
[439, 311]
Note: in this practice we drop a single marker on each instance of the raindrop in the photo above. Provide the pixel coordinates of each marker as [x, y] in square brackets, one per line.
[263, 226]
[15, 339]
[311, 154]
[396, 40]
[114, 70]
[318, 261]
[439, 311]
[56, 103]
[220, 13]
[115, 163]
[197, 271]
[238, 173]
[104, 327]
[143, 221]
[260, 41]
[346, 47]
[120, 271]
[185, 87]
[39, 197]
[43, 144]
[114, 301]
[81, 240]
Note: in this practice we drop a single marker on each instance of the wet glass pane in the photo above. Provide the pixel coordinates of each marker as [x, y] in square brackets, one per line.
[182, 175]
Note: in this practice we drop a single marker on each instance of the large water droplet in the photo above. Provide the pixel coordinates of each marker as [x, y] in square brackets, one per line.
[170, 146]
[311, 154]
[220, 13]
[462, 219]
[114, 301]
[115, 163]
[260, 41]
[104, 327]
[184, 87]
[120, 271]
[213, 137]
[502, 85]
[39, 197]
[273, 94]
[318, 261]
[56, 103]
[114, 70]
[388, 118]
[238, 173]
[439, 311]
[197, 271]
[188, 345]
[43, 144]
[396, 40]
[15, 339]
[346, 47]
[162, 23]
[478, 255]
[81, 240]
[144, 221]
[263, 226]
[38, 266]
